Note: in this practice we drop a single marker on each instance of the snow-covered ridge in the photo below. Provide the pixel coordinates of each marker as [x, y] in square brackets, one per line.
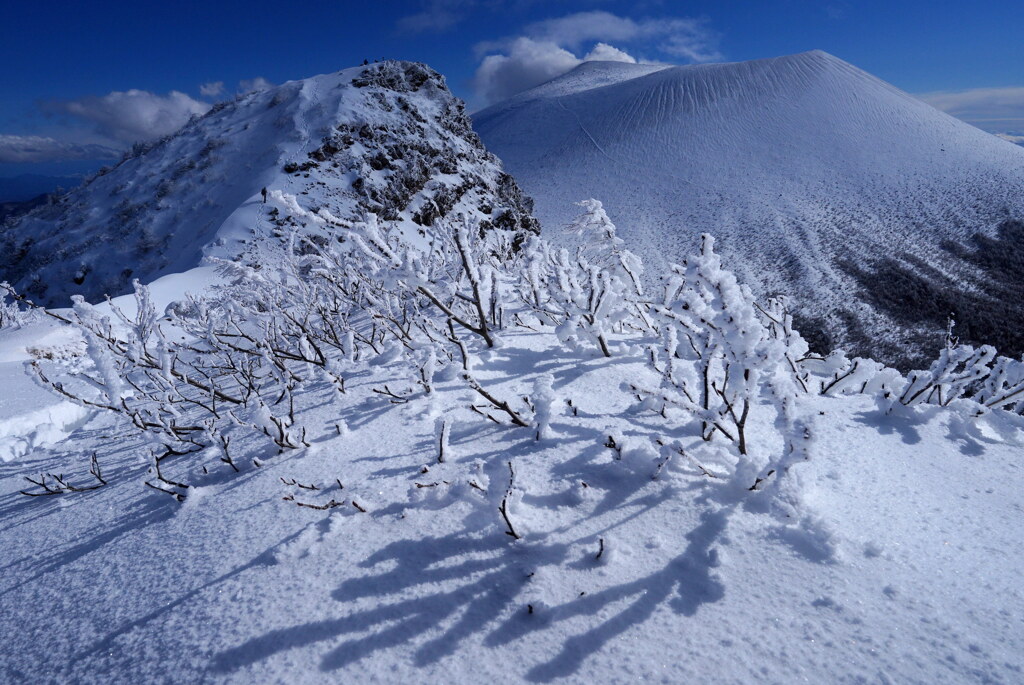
[389, 138]
[804, 166]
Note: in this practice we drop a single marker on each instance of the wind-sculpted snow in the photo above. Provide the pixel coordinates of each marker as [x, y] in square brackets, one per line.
[800, 165]
[388, 138]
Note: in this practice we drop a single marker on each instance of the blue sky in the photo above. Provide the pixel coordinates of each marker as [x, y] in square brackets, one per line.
[83, 80]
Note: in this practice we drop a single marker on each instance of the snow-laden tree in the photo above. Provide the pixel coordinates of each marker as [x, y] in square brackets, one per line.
[11, 314]
[965, 372]
[300, 315]
[720, 355]
[949, 376]
[455, 273]
[595, 233]
[714, 347]
[1003, 387]
[960, 372]
[839, 375]
[588, 293]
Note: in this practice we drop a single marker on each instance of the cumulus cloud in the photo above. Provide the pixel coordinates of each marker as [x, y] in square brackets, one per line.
[550, 48]
[99, 127]
[211, 89]
[135, 115]
[45, 149]
[526, 63]
[602, 52]
[575, 29]
[993, 109]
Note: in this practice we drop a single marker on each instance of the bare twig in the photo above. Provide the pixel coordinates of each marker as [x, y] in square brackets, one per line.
[320, 507]
[498, 404]
[395, 398]
[504, 504]
[298, 484]
[60, 485]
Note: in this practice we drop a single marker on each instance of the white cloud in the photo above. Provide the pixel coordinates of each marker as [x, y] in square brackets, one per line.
[603, 52]
[211, 89]
[993, 109]
[254, 84]
[526, 64]
[1017, 140]
[575, 29]
[690, 42]
[549, 48]
[45, 149]
[135, 115]
[112, 122]
[677, 36]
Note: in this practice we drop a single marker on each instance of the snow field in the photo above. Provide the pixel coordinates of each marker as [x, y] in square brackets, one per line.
[898, 564]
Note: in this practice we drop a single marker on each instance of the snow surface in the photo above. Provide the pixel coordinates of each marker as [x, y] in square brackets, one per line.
[794, 163]
[902, 564]
[31, 417]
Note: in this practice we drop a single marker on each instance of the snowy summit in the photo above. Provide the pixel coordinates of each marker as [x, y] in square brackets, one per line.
[820, 181]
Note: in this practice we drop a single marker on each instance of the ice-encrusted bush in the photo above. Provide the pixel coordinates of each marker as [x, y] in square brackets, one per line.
[715, 351]
[839, 375]
[965, 372]
[590, 293]
[11, 314]
[292, 318]
[234, 372]
[960, 372]
[297, 316]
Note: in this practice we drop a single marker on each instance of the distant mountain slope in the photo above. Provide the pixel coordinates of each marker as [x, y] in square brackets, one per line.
[10, 210]
[809, 170]
[389, 138]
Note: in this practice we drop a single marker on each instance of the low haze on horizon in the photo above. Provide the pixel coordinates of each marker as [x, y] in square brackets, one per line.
[94, 79]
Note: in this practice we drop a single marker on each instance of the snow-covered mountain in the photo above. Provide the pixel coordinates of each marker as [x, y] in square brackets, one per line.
[389, 138]
[820, 181]
[400, 460]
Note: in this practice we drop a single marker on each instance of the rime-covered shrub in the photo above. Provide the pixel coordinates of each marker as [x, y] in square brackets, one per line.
[298, 315]
[589, 293]
[719, 353]
[966, 372]
[11, 314]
